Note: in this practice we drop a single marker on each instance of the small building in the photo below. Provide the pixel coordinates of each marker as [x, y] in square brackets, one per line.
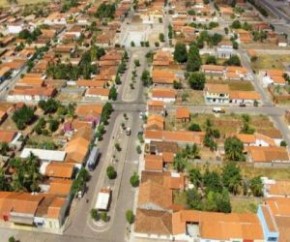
[44, 155]
[216, 93]
[103, 199]
[164, 94]
[182, 114]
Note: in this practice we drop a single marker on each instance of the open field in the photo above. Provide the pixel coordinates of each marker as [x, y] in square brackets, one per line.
[4, 3]
[270, 62]
[244, 205]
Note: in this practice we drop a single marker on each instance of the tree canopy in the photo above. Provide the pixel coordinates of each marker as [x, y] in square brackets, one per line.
[194, 60]
[180, 53]
[196, 80]
[234, 149]
[23, 117]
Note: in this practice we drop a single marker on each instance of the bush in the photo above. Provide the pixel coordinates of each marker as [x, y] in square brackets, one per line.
[104, 216]
[197, 80]
[95, 214]
[194, 127]
[134, 180]
[283, 143]
[111, 172]
[130, 217]
[23, 117]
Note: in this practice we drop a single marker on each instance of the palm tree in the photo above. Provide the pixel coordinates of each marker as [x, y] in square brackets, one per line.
[256, 186]
[195, 177]
[179, 163]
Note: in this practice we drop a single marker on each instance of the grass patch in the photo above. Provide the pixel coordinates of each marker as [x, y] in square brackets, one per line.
[241, 86]
[180, 198]
[244, 205]
[270, 62]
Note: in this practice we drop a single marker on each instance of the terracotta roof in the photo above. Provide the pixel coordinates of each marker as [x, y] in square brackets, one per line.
[279, 188]
[163, 93]
[175, 136]
[212, 68]
[246, 138]
[155, 122]
[268, 154]
[60, 170]
[182, 113]
[33, 91]
[98, 92]
[163, 76]
[89, 109]
[153, 222]
[55, 207]
[7, 136]
[31, 82]
[217, 88]
[153, 193]
[153, 103]
[91, 83]
[168, 157]
[60, 187]
[153, 163]
[245, 95]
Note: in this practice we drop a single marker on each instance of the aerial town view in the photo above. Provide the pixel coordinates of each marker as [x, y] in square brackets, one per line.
[144, 120]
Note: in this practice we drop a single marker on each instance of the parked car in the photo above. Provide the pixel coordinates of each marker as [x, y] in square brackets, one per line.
[242, 105]
[218, 110]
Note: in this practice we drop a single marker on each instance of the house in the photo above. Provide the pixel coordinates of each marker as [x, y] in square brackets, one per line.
[213, 70]
[31, 94]
[78, 147]
[272, 77]
[157, 107]
[153, 163]
[154, 196]
[163, 76]
[282, 41]
[237, 73]
[89, 112]
[225, 50]
[59, 170]
[12, 138]
[166, 95]
[246, 97]
[5, 73]
[274, 215]
[180, 137]
[101, 93]
[155, 122]
[272, 133]
[44, 155]
[260, 155]
[216, 93]
[60, 187]
[256, 139]
[162, 59]
[182, 114]
[275, 188]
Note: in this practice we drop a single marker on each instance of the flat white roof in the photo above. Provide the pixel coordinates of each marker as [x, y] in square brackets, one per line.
[103, 200]
[49, 155]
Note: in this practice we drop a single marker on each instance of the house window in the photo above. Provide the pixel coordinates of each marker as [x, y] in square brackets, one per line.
[270, 239]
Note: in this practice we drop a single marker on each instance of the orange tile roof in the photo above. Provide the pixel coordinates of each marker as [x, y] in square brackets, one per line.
[153, 163]
[7, 136]
[182, 113]
[268, 154]
[212, 68]
[60, 170]
[55, 207]
[163, 93]
[279, 188]
[217, 88]
[153, 222]
[60, 187]
[155, 122]
[246, 138]
[163, 76]
[245, 95]
[31, 82]
[168, 157]
[154, 103]
[91, 83]
[89, 109]
[153, 193]
[98, 92]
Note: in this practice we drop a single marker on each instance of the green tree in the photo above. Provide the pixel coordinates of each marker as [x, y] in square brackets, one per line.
[194, 127]
[106, 113]
[23, 117]
[111, 172]
[104, 216]
[234, 149]
[4, 184]
[11, 239]
[179, 162]
[113, 94]
[49, 106]
[232, 178]
[53, 125]
[197, 80]
[194, 199]
[234, 60]
[4, 148]
[212, 181]
[195, 177]
[180, 53]
[134, 180]
[130, 217]
[161, 37]
[145, 77]
[95, 214]
[194, 60]
[211, 59]
[256, 186]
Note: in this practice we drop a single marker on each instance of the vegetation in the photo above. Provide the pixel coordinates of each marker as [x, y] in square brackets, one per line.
[95, 214]
[196, 80]
[180, 53]
[113, 94]
[29, 36]
[80, 181]
[210, 135]
[23, 116]
[134, 180]
[232, 178]
[234, 149]
[194, 61]
[106, 10]
[106, 113]
[256, 186]
[146, 79]
[234, 60]
[111, 172]
[130, 217]
[49, 106]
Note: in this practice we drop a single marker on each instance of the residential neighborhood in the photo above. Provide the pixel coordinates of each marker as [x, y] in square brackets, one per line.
[142, 121]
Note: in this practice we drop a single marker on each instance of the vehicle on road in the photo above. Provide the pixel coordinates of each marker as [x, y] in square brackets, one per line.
[93, 158]
[128, 131]
[104, 199]
[242, 105]
[218, 110]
